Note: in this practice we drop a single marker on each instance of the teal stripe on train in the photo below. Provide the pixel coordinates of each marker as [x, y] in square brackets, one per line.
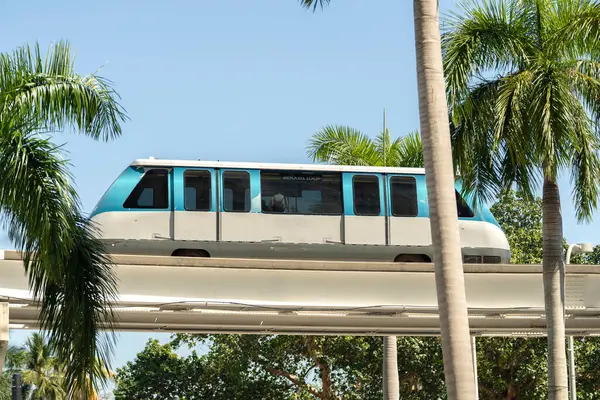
[117, 193]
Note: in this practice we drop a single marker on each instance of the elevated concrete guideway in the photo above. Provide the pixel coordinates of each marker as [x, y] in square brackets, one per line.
[176, 294]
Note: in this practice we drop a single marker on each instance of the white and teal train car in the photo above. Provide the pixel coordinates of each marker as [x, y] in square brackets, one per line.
[284, 211]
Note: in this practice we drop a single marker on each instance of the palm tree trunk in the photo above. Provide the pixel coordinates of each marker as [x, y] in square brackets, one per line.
[391, 383]
[449, 277]
[553, 268]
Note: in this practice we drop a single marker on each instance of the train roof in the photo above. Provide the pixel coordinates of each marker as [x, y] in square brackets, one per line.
[155, 162]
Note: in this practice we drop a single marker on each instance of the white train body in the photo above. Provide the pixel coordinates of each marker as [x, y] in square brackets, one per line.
[290, 211]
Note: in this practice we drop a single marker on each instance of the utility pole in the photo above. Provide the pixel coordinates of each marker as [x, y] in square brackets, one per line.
[385, 139]
[16, 387]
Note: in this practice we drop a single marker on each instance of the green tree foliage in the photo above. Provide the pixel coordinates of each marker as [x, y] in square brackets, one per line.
[70, 274]
[587, 359]
[300, 367]
[586, 258]
[281, 367]
[158, 373]
[421, 368]
[512, 368]
[521, 221]
[5, 387]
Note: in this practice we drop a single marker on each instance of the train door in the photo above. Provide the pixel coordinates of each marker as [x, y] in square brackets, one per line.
[238, 215]
[364, 214]
[195, 216]
[405, 226]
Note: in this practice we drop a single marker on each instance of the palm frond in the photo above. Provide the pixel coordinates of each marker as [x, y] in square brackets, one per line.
[51, 90]
[35, 195]
[491, 35]
[308, 4]
[512, 92]
[473, 143]
[69, 270]
[342, 145]
[513, 133]
[584, 77]
[584, 174]
[407, 151]
[575, 29]
[16, 358]
[383, 146]
[88, 285]
[559, 116]
[576, 114]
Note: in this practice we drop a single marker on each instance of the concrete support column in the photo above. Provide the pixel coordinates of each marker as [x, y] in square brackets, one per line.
[474, 355]
[3, 333]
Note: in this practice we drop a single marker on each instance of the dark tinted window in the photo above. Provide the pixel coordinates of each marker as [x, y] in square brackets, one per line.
[236, 191]
[403, 192]
[197, 186]
[462, 208]
[366, 195]
[301, 192]
[152, 191]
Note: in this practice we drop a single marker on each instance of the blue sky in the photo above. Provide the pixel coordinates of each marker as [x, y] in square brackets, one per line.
[233, 80]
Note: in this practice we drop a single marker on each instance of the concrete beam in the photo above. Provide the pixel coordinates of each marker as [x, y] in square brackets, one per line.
[180, 294]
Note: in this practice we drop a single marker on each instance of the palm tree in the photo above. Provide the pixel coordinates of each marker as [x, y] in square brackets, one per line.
[437, 156]
[344, 145]
[68, 270]
[40, 369]
[537, 116]
[43, 371]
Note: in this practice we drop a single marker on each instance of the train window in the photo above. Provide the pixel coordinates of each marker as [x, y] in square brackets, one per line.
[462, 207]
[366, 195]
[236, 191]
[301, 192]
[403, 192]
[197, 186]
[152, 191]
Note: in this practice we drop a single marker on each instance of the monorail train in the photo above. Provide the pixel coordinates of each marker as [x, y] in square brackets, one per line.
[283, 211]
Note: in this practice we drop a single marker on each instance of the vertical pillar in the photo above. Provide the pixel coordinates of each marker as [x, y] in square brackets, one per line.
[4, 321]
[474, 355]
[3, 333]
[572, 389]
[16, 387]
